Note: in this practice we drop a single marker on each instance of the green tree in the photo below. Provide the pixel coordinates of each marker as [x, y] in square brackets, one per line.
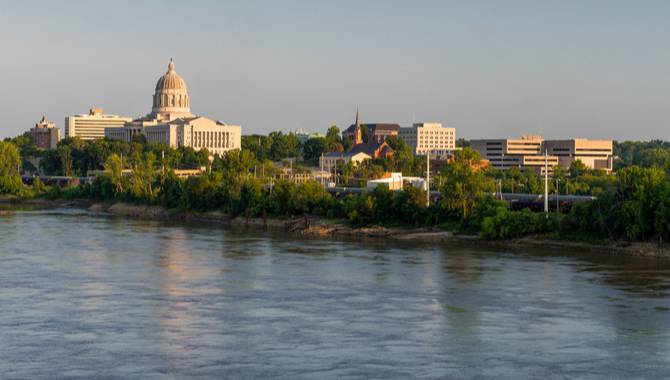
[65, 157]
[313, 148]
[142, 176]
[284, 146]
[10, 179]
[333, 135]
[577, 168]
[114, 166]
[463, 183]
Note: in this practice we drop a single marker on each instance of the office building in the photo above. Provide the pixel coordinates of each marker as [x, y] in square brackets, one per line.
[529, 152]
[93, 125]
[595, 154]
[430, 138]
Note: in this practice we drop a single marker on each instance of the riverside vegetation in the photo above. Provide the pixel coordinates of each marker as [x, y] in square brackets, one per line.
[632, 205]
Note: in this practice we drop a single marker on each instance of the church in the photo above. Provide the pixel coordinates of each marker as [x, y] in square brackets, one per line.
[360, 152]
[172, 123]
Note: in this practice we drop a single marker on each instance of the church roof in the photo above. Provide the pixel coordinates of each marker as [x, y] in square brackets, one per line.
[375, 127]
[369, 148]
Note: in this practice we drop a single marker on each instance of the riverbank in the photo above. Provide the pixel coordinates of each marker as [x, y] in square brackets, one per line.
[310, 226]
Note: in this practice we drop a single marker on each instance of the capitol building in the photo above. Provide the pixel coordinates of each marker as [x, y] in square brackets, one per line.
[172, 123]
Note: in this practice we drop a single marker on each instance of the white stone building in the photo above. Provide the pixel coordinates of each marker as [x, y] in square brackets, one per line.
[172, 123]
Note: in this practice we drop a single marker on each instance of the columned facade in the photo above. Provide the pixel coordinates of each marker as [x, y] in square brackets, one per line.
[172, 123]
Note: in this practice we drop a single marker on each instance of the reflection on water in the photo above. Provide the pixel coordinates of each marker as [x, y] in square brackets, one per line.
[86, 296]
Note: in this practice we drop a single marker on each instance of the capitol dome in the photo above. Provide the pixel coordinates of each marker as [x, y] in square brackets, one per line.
[171, 96]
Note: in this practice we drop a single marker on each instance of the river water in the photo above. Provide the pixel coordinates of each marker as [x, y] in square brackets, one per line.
[92, 296]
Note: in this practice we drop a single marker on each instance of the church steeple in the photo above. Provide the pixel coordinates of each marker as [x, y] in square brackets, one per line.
[358, 134]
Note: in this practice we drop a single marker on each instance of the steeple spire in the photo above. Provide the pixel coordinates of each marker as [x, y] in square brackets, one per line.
[358, 136]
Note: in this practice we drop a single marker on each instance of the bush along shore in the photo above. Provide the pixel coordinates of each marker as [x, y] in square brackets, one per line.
[312, 226]
[632, 206]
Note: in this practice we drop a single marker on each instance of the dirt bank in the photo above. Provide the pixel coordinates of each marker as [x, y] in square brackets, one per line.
[316, 227]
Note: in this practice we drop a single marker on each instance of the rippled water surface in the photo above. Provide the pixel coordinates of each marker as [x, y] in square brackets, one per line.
[89, 296]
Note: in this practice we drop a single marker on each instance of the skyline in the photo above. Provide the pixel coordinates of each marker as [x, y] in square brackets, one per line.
[568, 69]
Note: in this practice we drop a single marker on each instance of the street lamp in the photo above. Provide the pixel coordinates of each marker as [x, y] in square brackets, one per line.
[558, 195]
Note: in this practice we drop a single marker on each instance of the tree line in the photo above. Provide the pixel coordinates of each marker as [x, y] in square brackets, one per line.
[633, 204]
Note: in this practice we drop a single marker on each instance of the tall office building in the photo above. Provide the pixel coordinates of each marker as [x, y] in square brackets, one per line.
[92, 126]
[172, 123]
[439, 141]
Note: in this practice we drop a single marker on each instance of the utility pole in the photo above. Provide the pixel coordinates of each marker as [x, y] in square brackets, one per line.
[558, 194]
[546, 183]
[428, 179]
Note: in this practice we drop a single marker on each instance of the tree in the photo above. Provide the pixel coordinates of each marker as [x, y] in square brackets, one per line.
[114, 165]
[143, 175]
[403, 159]
[313, 148]
[259, 145]
[333, 135]
[577, 168]
[10, 180]
[284, 146]
[463, 183]
[65, 156]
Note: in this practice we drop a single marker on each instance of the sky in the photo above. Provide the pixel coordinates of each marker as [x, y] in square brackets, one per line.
[592, 69]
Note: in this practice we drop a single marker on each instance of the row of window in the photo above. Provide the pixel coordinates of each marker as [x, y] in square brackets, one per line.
[207, 139]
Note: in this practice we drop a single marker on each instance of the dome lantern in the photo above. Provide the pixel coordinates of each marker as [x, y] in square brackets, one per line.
[171, 98]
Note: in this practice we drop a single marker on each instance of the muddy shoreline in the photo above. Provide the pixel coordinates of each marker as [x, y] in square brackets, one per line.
[319, 228]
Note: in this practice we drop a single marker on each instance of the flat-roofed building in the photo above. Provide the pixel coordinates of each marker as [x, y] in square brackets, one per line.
[506, 153]
[529, 151]
[594, 154]
[430, 138]
[524, 152]
[45, 134]
[93, 125]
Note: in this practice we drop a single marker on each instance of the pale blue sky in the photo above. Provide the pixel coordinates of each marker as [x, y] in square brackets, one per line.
[596, 69]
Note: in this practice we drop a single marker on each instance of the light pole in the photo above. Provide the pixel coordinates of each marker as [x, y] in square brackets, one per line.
[558, 194]
[428, 179]
[546, 183]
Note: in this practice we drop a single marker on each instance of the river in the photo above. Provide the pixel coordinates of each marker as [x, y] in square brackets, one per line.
[92, 296]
